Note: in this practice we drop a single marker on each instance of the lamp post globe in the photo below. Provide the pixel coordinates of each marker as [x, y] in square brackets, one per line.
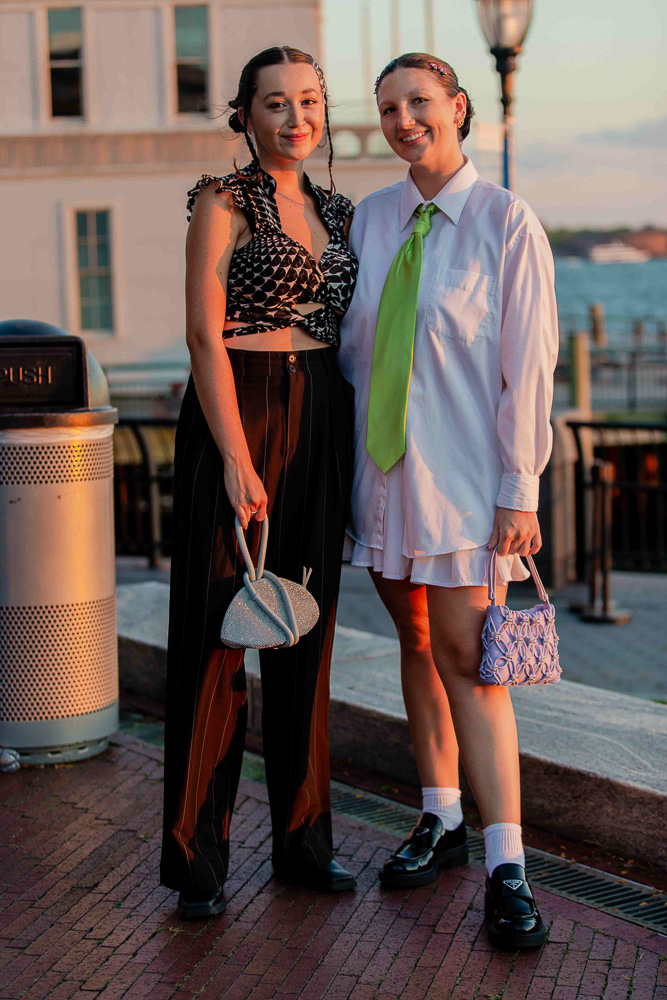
[505, 23]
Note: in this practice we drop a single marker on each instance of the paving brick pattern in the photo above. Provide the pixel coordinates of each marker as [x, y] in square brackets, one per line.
[82, 914]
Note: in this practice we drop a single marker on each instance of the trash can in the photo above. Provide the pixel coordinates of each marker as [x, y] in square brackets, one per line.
[58, 640]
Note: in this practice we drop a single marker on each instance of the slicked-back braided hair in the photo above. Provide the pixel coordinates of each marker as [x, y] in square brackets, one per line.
[441, 70]
[274, 56]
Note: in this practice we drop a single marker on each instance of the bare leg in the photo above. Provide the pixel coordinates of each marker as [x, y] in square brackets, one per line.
[429, 718]
[483, 715]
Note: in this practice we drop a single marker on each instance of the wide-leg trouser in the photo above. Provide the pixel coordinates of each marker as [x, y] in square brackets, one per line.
[297, 414]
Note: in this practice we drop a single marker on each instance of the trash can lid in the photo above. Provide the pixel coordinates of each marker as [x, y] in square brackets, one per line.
[48, 378]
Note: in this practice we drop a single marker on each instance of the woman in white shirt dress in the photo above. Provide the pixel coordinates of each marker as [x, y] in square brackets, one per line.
[477, 436]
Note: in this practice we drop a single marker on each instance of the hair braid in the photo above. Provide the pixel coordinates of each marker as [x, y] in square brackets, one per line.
[332, 186]
[254, 159]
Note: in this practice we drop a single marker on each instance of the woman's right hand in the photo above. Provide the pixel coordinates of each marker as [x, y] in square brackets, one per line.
[245, 491]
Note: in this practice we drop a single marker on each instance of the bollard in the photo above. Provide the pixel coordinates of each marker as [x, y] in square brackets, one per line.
[580, 372]
[598, 327]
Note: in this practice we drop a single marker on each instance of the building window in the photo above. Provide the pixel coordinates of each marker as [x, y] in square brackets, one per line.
[93, 239]
[65, 62]
[191, 26]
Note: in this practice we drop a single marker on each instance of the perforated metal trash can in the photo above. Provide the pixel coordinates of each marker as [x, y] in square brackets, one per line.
[58, 640]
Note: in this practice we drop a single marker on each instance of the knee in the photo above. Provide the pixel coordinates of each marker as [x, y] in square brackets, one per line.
[413, 634]
[457, 657]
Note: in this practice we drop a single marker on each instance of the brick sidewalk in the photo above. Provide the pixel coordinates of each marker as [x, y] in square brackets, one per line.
[82, 913]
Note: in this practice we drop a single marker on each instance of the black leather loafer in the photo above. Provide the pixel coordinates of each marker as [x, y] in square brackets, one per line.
[428, 849]
[199, 906]
[510, 909]
[323, 878]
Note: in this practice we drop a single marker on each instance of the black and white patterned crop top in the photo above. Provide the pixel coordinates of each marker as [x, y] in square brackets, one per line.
[272, 273]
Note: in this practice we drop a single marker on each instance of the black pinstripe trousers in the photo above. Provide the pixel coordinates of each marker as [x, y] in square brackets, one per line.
[297, 414]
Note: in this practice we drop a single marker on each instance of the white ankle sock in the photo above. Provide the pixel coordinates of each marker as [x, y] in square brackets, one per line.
[503, 844]
[445, 803]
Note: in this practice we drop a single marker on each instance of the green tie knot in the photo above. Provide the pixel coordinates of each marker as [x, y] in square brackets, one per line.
[423, 223]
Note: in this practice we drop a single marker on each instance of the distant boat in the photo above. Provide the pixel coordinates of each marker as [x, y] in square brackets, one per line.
[617, 253]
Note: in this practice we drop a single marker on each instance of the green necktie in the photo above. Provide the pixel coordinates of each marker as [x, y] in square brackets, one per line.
[393, 348]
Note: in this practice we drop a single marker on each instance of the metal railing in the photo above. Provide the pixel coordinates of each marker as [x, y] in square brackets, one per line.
[144, 487]
[621, 378]
[626, 463]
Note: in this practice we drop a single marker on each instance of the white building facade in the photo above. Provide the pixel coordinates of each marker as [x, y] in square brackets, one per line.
[107, 117]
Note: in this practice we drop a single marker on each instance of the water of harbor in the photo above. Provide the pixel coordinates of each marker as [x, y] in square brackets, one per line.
[627, 292]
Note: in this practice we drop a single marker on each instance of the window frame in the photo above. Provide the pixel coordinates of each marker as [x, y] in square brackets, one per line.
[169, 48]
[68, 63]
[70, 277]
[62, 123]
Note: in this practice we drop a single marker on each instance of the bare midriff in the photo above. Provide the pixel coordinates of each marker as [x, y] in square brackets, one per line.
[288, 338]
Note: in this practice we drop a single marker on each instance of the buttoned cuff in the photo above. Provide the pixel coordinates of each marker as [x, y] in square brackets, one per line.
[518, 492]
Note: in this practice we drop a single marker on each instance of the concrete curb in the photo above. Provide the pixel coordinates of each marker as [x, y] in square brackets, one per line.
[584, 801]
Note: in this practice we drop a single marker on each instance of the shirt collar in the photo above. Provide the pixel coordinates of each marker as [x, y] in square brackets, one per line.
[450, 199]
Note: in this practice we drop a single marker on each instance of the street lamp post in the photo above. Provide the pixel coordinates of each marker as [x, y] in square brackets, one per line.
[505, 23]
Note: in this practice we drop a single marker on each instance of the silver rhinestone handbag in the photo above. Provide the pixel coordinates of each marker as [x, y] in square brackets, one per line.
[519, 647]
[268, 612]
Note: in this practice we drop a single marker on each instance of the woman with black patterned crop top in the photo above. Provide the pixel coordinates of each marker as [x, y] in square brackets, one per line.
[265, 428]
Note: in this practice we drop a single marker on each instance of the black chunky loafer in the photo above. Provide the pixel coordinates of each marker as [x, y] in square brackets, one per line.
[199, 906]
[428, 849]
[511, 912]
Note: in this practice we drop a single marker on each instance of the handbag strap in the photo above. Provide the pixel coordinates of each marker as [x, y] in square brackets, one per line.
[290, 628]
[243, 545]
[544, 597]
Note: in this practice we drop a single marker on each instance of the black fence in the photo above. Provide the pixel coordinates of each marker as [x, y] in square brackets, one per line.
[143, 487]
[636, 454]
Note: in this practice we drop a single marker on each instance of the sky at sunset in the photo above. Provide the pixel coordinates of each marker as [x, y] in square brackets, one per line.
[591, 100]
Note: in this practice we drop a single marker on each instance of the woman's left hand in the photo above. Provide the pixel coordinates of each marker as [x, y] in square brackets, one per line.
[515, 532]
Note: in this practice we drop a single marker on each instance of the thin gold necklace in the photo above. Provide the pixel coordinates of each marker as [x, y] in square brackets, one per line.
[301, 204]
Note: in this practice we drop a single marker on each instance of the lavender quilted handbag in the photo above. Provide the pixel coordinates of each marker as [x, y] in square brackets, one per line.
[519, 647]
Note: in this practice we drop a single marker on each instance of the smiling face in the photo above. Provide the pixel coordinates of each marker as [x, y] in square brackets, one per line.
[287, 111]
[418, 118]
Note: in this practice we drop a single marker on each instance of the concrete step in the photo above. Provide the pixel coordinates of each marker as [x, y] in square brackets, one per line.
[592, 761]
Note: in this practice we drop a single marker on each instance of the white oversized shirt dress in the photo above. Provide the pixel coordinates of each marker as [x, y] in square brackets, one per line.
[478, 433]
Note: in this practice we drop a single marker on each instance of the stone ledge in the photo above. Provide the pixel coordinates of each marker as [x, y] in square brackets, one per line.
[592, 761]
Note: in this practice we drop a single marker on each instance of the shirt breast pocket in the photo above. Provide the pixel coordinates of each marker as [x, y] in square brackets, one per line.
[461, 305]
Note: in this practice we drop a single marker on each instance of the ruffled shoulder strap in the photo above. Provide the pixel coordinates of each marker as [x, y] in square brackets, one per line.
[343, 207]
[231, 183]
[334, 211]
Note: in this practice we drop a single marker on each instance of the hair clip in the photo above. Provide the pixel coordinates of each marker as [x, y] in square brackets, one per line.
[438, 68]
[377, 84]
[320, 76]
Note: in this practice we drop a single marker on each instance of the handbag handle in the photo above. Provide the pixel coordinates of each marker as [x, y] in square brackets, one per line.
[544, 597]
[243, 545]
[290, 629]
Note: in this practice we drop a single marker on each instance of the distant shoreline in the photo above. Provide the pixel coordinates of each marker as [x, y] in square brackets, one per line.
[649, 241]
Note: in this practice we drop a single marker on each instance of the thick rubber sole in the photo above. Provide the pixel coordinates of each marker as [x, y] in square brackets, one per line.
[202, 911]
[403, 880]
[515, 940]
[342, 885]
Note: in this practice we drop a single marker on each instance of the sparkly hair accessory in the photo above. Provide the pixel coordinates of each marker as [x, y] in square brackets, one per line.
[432, 65]
[320, 76]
